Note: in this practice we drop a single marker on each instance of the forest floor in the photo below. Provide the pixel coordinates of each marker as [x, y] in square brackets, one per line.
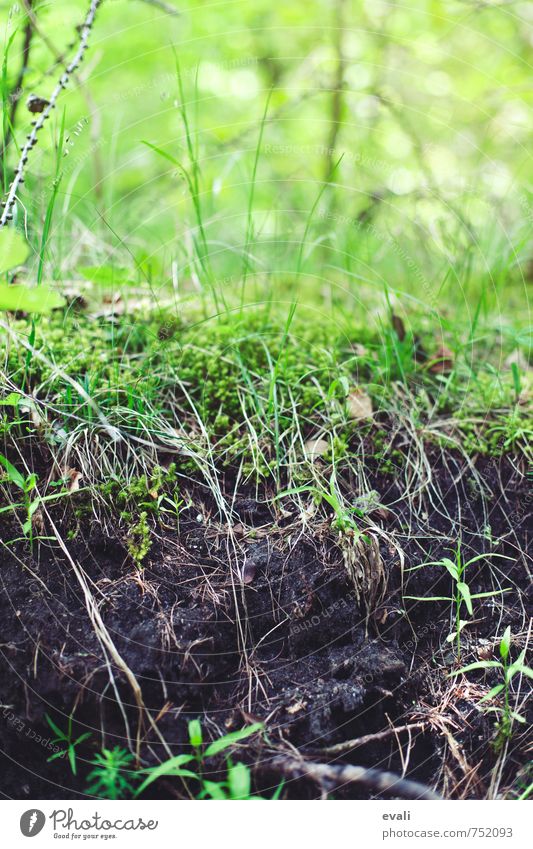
[260, 518]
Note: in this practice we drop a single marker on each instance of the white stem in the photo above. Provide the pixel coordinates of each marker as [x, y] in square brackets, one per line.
[62, 83]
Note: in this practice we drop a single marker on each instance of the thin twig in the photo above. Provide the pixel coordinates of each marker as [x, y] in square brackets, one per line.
[31, 141]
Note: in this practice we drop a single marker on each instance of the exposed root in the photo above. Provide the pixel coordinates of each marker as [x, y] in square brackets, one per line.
[333, 776]
[365, 568]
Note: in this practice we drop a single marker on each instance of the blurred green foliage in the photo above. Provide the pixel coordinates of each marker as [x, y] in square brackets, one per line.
[431, 122]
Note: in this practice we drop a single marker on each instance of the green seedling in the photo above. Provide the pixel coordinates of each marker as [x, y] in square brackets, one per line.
[30, 499]
[506, 715]
[343, 520]
[66, 738]
[173, 505]
[461, 594]
[26, 485]
[110, 778]
[237, 784]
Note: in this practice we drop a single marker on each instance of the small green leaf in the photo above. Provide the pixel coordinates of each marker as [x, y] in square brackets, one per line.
[82, 737]
[429, 598]
[517, 667]
[451, 567]
[239, 781]
[11, 400]
[453, 636]
[492, 593]
[171, 767]
[53, 726]
[517, 716]
[481, 664]
[195, 733]
[72, 759]
[279, 788]
[464, 589]
[505, 643]
[13, 249]
[232, 738]
[13, 474]
[39, 299]
[492, 693]
[213, 789]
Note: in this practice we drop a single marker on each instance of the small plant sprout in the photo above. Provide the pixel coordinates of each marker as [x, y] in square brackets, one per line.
[31, 500]
[343, 520]
[507, 671]
[110, 777]
[66, 738]
[461, 594]
[172, 505]
[26, 485]
[192, 766]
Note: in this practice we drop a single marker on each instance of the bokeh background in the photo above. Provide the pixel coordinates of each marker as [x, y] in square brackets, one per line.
[394, 138]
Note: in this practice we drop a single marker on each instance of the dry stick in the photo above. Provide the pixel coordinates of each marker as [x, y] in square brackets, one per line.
[337, 774]
[348, 745]
[16, 93]
[31, 140]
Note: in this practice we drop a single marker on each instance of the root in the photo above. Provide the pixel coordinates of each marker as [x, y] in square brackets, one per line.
[365, 568]
[329, 776]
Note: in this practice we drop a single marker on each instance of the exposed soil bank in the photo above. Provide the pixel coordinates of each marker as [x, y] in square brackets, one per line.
[264, 623]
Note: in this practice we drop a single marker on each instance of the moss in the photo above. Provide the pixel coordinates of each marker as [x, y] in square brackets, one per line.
[252, 384]
[138, 541]
[141, 493]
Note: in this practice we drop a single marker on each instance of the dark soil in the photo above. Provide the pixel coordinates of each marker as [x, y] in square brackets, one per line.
[305, 657]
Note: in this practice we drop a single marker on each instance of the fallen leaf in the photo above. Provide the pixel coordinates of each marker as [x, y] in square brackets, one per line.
[442, 361]
[383, 513]
[74, 477]
[359, 405]
[316, 447]
[248, 573]
[39, 299]
[296, 708]
[398, 326]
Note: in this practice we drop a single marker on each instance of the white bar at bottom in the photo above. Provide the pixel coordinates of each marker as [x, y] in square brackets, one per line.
[257, 824]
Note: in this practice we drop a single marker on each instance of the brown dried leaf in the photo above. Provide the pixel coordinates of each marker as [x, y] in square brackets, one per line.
[359, 405]
[74, 477]
[296, 707]
[398, 326]
[316, 447]
[442, 361]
